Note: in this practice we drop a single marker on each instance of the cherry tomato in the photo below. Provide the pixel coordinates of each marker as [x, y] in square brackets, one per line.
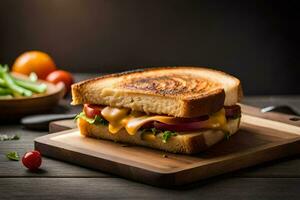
[61, 76]
[34, 61]
[91, 110]
[32, 160]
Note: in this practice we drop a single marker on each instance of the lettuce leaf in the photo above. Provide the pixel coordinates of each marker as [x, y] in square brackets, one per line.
[97, 119]
[167, 135]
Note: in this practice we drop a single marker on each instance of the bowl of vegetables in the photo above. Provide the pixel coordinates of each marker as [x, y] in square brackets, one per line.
[22, 95]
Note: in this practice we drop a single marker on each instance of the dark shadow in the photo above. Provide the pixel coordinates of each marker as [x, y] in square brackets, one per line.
[38, 171]
[60, 109]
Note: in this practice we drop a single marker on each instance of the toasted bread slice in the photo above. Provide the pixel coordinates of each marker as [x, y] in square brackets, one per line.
[184, 142]
[175, 91]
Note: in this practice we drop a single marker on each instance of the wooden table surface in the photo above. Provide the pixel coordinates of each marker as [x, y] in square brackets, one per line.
[59, 180]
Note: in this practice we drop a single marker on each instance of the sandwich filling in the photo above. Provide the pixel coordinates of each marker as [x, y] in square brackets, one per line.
[133, 121]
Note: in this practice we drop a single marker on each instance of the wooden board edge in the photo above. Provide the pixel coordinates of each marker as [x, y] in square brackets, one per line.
[46, 140]
[108, 166]
[174, 177]
[274, 116]
[265, 154]
[55, 126]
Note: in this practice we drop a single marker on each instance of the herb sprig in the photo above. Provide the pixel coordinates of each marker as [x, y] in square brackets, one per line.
[13, 156]
[227, 135]
[4, 137]
[167, 135]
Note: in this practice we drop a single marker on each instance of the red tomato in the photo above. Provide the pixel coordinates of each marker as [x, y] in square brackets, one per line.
[185, 126]
[179, 124]
[232, 111]
[32, 160]
[61, 76]
[91, 110]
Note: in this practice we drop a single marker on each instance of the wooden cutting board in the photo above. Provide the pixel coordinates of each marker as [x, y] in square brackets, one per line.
[259, 140]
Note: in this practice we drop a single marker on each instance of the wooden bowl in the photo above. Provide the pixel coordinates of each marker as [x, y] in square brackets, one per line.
[38, 103]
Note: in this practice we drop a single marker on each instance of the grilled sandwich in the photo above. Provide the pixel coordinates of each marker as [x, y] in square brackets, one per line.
[175, 109]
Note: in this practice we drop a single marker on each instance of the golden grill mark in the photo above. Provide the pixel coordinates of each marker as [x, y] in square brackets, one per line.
[172, 84]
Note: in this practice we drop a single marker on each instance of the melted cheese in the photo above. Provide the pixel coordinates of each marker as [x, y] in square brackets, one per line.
[217, 120]
[134, 124]
[148, 136]
[119, 118]
[116, 117]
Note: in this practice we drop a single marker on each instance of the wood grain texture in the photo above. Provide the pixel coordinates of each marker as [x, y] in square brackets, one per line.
[273, 180]
[61, 125]
[225, 188]
[259, 140]
[52, 168]
[255, 111]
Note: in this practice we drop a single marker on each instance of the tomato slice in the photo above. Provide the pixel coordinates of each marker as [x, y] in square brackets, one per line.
[186, 126]
[194, 119]
[179, 122]
[232, 111]
[92, 110]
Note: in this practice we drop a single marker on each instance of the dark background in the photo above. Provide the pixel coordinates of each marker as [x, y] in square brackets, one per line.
[256, 41]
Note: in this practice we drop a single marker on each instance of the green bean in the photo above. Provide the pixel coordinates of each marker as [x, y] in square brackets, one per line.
[19, 87]
[13, 86]
[2, 83]
[5, 91]
[37, 88]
